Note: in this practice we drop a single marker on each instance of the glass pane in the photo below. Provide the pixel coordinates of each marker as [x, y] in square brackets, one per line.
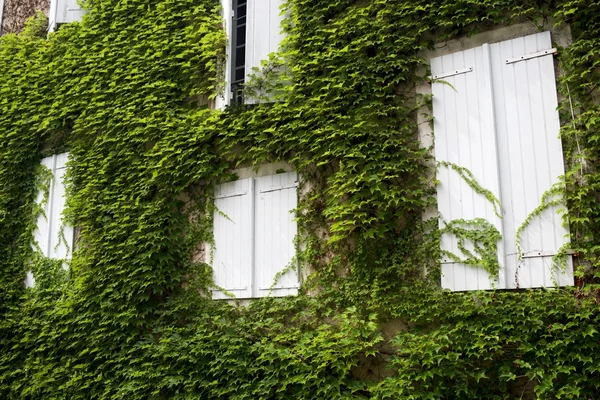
[239, 74]
[240, 37]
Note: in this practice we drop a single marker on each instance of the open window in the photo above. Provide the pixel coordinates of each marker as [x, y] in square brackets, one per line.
[254, 233]
[53, 237]
[497, 137]
[254, 30]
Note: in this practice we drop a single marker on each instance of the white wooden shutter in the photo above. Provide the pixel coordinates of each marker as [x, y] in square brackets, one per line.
[275, 230]
[227, 13]
[1, 14]
[68, 11]
[64, 11]
[464, 136]
[531, 158]
[42, 233]
[61, 234]
[263, 33]
[233, 251]
[498, 118]
[52, 235]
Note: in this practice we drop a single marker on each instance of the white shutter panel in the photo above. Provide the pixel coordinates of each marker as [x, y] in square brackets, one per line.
[227, 13]
[275, 230]
[263, 33]
[232, 255]
[531, 158]
[42, 233]
[1, 12]
[68, 11]
[54, 238]
[61, 235]
[464, 136]
[29, 280]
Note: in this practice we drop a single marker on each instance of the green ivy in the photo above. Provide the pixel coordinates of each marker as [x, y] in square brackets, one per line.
[125, 92]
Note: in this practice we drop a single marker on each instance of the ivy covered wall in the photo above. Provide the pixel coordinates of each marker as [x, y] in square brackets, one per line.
[123, 92]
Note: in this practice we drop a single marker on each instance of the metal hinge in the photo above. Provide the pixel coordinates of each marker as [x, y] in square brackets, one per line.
[452, 73]
[273, 189]
[235, 194]
[544, 253]
[279, 287]
[234, 289]
[531, 55]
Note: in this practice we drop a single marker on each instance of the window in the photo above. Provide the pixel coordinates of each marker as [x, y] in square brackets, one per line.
[254, 29]
[52, 236]
[495, 114]
[64, 12]
[254, 232]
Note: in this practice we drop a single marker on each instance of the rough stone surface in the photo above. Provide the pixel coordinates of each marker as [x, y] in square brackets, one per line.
[16, 12]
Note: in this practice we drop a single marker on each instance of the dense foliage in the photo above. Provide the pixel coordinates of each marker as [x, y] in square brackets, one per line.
[124, 90]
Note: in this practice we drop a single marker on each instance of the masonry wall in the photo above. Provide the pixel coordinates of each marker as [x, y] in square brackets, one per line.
[16, 12]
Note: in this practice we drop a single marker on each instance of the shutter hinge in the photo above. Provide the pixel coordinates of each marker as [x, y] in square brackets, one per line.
[234, 194]
[531, 55]
[273, 189]
[452, 73]
[227, 289]
[544, 253]
[279, 287]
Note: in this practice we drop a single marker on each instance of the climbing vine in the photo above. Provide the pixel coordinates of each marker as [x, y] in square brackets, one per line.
[126, 92]
[481, 236]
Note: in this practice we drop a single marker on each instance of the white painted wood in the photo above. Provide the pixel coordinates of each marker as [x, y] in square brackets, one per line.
[263, 33]
[68, 11]
[1, 14]
[226, 10]
[29, 280]
[53, 237]
[63, 12]
[42, 233]
[531, 158]
[532, 55]
[452, 73]
[465, 136]
[275, 230]
[61, 234]
[233, 230]
[501, 123]
[52, 15]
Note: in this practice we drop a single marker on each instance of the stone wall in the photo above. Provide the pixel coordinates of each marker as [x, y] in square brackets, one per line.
[16, 12]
